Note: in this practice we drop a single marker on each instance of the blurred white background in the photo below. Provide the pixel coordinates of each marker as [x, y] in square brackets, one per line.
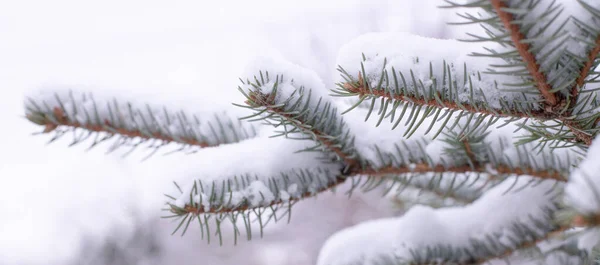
[61, 205]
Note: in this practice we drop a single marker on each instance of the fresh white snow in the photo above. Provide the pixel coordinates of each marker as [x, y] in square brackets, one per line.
[188, 56]
[422, 226]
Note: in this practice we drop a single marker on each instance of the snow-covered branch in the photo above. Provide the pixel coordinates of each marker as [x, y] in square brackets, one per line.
[414, 79]
[473, 234]
[524, 49]
[134, 123]
[291, 98]
[553, 46]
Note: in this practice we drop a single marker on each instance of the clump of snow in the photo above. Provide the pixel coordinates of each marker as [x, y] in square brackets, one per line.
[589, 239]
[257, 175]
[583, 189]
[360, 244]
[257, 193]
[293, 188]
[492, 214]
[291, 78]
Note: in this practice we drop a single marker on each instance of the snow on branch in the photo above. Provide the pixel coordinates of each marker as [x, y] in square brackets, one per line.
[407, 76]
[489, 150]
[250, 198]
[103, 117]
[267, 180]
[553, 46]
[490, 228]
[523, 47]
[540, 35]
[583, 195]
[590, 37]
[292, 99]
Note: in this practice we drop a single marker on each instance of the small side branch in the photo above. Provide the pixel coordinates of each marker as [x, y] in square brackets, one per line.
[381, 172]
[359, 88]
[302, 113]
[524, 50]
[130, 124]
[60, 119]
[198, 209]
[524, 245]
[499, 169]
[320, 137]
[554, 104]
[576, 221]
[585, 70]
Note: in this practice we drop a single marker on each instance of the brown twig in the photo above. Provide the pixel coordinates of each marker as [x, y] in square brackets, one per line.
[414, 168]
[61, 119]
[554, 104]
[468, 151]
[268, 100]
[426, 168]
[579, 134]
[586, 221]
[361, 90]
[524, 50]
[585, 70]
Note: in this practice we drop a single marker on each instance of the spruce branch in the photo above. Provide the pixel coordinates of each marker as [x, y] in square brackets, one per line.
[435, 252]
[543, 82]
[565, 219]
[584, 73]
[549, 59]
[525, 245]
[228, 202]
[589, 29]
[576, 221]
[498, 169]
[301, 114]
[474, 153]
[439, 100]
[524, 50]
[586, 69]
[251, 199]
[417, 170]
[84, 116]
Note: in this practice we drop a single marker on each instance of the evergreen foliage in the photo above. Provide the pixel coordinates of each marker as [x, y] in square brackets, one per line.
[494, 129]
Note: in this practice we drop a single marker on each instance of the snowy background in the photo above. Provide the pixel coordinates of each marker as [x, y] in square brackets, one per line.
[61, 205]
